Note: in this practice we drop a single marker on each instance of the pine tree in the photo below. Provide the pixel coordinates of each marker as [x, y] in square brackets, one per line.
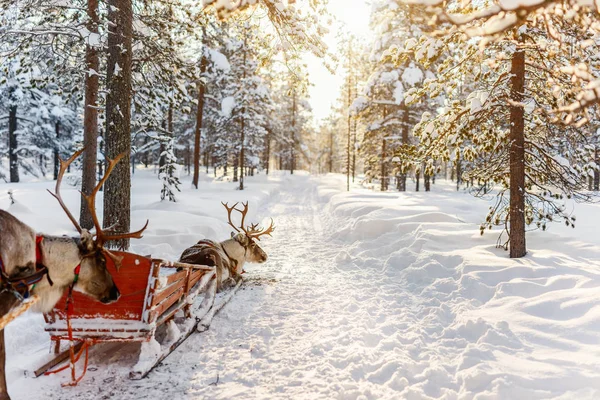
[505, 128]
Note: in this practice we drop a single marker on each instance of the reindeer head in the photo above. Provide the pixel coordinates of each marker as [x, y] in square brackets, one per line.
[248, 235]
[94, 279]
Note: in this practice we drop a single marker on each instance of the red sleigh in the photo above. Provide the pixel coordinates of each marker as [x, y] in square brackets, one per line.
[153, 293]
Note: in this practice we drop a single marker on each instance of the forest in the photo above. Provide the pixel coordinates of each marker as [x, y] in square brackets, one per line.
[424, 173]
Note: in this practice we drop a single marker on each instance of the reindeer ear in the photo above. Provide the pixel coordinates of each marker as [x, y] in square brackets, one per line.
[232, 234]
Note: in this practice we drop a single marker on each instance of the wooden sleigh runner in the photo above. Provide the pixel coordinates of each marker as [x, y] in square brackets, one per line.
[155, 295]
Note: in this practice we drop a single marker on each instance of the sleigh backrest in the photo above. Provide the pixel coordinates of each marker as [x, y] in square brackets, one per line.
[134, 280]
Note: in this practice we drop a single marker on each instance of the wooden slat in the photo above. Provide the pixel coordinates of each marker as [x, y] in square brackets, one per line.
[194, 278]
[162, 294]
[176, 277]
[177, 264]
[168, 302]
[62, 356]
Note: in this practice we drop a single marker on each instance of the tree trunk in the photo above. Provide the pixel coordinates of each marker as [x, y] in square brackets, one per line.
[405, 131]
[427, 182]
[293, 144]
[117, 197]
[383, 169]
[458, 172]
[418, 177]
[236, 163]
[90, 117]
[3, 387]
[188, 159]
[56, 155]
[101, 163]
[596, 172]
[243, 133]
[242, 154]
[349, 117]
[517, 157]
[383, 157]
[162, 159]
[13, 143]
[268, 158]
[199, 115]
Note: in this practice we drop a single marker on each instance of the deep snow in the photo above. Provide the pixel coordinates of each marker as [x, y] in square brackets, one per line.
[366, 295]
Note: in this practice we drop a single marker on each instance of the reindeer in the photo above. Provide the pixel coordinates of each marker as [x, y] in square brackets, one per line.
[45, 265]
[230, 255]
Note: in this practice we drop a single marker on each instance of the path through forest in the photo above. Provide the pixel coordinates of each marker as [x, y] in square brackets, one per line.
[289, 332]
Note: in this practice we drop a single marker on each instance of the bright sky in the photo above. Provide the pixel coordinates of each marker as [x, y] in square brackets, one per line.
[354, 14]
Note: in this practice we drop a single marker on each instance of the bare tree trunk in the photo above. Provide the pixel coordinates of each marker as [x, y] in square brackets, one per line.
[236, 163]
[243, 130]
[293, 144]
[101, 163]
[13, 143]
[384, 186]
[268, 157]
[90, 117]
[596, 172]
[56, 155]
[117, 197]
[199, 115]
[405, 131]
[458, 172]
[188, 159]
[383, 166]
[418, 177]
[349, 117]
[242, 155]
[517, 157]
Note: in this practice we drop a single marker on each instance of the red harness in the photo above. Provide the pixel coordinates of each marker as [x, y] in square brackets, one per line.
[21, 286]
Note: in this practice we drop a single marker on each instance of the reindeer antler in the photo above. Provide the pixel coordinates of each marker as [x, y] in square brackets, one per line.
[255, 232]
[101, 237]
[63, 168]
[243, 212]
[252, 231]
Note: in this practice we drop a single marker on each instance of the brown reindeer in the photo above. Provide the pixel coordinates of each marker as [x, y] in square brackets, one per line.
[45, 265]
[230, 255]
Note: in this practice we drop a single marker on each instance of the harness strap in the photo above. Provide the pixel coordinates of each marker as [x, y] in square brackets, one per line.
[22, 286]
[86, 342]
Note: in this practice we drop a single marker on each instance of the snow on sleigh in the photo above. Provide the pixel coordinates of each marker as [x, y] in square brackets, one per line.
[154, 293]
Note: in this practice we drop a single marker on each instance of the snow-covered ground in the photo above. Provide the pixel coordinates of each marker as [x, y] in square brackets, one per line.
[366, 295]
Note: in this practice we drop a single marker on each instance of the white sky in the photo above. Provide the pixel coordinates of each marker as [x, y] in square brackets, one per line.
[354, 14]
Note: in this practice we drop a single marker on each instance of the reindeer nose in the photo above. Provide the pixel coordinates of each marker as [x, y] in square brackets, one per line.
[113, 295]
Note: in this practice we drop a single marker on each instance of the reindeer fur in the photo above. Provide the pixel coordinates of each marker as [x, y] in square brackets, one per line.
[229, 256]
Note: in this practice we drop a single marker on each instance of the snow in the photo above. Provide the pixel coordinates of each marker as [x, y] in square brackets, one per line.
[219, 60]
[366, 295]
[412, 75]
[227, 106]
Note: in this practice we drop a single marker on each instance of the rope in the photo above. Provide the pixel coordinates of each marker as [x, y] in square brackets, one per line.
[8, 318]
[73, 358]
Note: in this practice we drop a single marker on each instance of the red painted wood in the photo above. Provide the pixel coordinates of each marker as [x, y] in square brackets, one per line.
[176, 277]
[194, 278]
[168, 302]
[131, 280]
[159, 296]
